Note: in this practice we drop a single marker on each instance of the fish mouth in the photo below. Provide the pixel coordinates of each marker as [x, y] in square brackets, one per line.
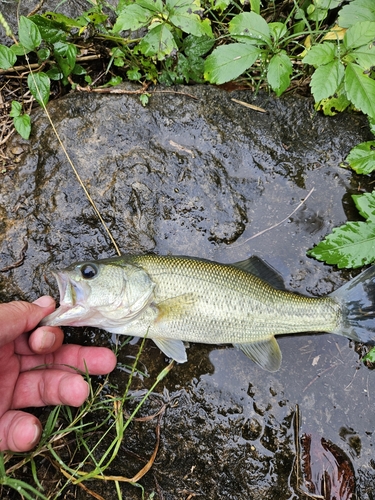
[70, 312]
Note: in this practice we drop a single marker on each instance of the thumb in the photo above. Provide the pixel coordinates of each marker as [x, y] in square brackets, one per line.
[18, 317]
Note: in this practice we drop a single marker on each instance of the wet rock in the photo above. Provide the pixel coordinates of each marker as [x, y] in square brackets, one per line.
[70, 8]
[195, 173]
[184, 175]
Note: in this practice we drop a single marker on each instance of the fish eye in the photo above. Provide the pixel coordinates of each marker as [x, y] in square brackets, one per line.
[89, 271]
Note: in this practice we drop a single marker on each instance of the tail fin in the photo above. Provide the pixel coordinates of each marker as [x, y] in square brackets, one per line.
[357, 299]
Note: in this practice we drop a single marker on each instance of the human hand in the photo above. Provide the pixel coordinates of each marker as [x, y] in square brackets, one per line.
[21, 385]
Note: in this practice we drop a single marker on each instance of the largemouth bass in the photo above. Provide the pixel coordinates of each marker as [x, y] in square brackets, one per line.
[175, 299]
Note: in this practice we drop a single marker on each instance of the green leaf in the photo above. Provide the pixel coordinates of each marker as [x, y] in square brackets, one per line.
[365, 204]
[277, 31]
[66, 55]
[159, 41]
[333, 105]
[144, 98]
[351, 245]
[39, 85]
[191, 23]
[22, 124]
[360, 89]
[195, 46]
[16, 109]
[370, 356]
[19, 50]
[65, 21]
[327, 4]
[79, 70]
[191, 68]
[316, 14]
[359, 34]
[152, 5]
[371, 122]
[250, 28]
[255, 6]
[227, 62]
[93, 17]
[134, 74]
[184, 14]
[326, 79]
[71, 55]
[362, 158]
[355, 12]
[43, 54]
[70, 52]
[364, 56]
[320, 54]
[119, 62]
[220, 5]
[51, 31]
[29, 34]
[132, 18]
[55, 73]
[278, 73]
[7, 57]
[115, 80]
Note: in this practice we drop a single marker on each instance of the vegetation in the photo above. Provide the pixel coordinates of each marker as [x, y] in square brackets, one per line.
[81, 444]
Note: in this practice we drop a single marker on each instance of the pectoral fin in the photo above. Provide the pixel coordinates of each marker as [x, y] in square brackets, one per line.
[174, 349]
[175, 307]
[265, 353]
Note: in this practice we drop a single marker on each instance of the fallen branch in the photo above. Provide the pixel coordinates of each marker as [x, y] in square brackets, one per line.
[37, 66]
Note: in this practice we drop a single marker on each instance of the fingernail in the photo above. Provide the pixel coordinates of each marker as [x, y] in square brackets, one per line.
[37, 434]
[48, 340]
[45, 301]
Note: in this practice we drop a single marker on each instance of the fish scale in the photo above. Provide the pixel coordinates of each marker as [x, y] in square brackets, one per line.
[172, 299]
[232, 304]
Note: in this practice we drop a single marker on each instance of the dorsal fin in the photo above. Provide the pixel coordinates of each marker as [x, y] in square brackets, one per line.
[262, 270]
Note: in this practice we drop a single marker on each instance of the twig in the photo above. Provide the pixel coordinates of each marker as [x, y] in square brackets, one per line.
[278, 223]
[107, 90]
[37, 66]
[174, 92]
[251, 106]
[331, 367]
[36, 8]
[19, 262]
[4, 140]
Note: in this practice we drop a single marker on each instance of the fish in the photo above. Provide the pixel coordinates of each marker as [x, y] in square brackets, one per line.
[177, 299]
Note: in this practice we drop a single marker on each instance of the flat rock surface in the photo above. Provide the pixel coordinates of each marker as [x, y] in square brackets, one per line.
[195, 173]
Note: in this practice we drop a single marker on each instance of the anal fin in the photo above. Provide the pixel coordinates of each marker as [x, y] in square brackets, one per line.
[266, 353]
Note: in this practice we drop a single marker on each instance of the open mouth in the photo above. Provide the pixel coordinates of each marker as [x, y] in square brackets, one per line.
[70, 313]
[62, 283]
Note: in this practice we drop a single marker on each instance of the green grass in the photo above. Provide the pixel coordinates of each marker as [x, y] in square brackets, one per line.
[80, 444]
